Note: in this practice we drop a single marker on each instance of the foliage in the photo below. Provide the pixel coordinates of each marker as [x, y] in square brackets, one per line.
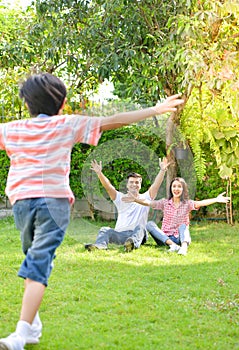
[134, 43]
[30, 44]
[14, 49]
[211, 186]
[18, 57]
[5, 163]
[132, 148]
[79, 154]
[213, 106]
[149, 49]
[182, 46]
[217, 126]
[15, 46]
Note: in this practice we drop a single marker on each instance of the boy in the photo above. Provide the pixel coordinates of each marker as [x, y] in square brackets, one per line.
[38, 183]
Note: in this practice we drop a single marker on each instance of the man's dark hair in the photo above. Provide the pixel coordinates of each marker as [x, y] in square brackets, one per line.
[134, 175]
[44, 93]
[185, 195]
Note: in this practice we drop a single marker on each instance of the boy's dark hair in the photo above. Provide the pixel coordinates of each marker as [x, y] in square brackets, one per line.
[184, 195]
[134, 175]
[44, 93]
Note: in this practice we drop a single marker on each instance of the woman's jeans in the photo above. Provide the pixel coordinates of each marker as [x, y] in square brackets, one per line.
[160, 237]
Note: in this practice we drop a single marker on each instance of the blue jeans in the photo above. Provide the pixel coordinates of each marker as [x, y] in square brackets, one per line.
[160, 237]
[108, 235]
[42, 223]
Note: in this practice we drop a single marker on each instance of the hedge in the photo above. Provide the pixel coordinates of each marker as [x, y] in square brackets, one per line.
[131, 148]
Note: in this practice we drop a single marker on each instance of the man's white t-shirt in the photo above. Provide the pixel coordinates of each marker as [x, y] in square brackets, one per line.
[131, 214]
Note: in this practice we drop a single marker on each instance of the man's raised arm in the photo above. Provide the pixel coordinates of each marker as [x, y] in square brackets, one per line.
[97, 168]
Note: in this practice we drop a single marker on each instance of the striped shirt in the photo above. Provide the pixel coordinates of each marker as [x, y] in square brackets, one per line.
[173, 216]
[40, 153]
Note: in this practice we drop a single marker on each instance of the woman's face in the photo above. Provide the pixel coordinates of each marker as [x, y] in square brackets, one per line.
[177, 189]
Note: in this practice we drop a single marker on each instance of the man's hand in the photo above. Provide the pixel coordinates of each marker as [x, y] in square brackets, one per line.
[96, 167]
[221, 199]
[163, 164]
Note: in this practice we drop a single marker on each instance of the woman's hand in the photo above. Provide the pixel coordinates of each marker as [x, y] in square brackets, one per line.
[163, 164]
[129, 198]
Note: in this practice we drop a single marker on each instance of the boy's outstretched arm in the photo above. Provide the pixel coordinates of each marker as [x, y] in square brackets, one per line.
[219, 199]
[125, 118]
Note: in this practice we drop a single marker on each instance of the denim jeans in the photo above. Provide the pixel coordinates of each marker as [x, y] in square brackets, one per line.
[42, 223]
[108, 235]
[160, 237]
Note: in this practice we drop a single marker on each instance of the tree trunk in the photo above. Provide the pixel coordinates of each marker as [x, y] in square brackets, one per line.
[172, 169]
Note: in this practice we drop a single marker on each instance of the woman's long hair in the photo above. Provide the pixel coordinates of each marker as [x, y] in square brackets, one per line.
[185, 195]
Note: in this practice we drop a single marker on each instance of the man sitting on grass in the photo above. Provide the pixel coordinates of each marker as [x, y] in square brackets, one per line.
[132, 218]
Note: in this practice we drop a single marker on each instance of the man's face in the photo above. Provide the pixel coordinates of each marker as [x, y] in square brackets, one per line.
[134, 184]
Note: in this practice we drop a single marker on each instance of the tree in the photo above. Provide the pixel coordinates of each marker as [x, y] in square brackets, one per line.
[131, 42]
[149, 49]
[155, 48]
[30, 44]
[15, 53]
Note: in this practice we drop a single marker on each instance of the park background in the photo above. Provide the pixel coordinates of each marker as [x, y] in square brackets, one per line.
[147, 50]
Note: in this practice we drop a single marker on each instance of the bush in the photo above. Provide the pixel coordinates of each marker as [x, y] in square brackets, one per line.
[5, 163]
[131, 148]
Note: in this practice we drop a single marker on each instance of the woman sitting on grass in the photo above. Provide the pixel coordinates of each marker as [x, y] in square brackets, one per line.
[175, 226]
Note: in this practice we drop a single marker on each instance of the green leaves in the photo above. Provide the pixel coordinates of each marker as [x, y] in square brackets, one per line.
[149, 49]
[225, 172]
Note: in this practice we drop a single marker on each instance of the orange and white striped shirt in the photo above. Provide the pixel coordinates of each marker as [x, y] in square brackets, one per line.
[40, 153]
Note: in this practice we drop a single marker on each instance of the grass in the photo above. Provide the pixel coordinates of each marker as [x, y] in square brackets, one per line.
[147, 299]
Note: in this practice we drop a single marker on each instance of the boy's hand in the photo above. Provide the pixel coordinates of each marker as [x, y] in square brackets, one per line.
[221, 199]
[169, 105]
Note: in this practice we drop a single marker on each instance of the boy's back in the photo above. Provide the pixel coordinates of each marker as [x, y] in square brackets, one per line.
[40, 152]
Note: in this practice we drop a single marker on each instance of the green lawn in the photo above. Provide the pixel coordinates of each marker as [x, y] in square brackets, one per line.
[147, 299]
